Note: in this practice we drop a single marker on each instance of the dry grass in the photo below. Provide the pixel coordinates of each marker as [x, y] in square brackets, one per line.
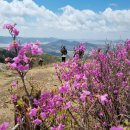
[6, 108]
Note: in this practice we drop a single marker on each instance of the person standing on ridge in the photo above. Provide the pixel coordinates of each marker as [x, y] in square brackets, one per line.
[40, 61]
[63, 53]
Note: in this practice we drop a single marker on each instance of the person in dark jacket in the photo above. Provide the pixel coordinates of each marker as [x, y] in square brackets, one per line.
[63, 53]
[40, 61]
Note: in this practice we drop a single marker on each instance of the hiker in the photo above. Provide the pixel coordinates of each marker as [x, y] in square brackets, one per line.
[81, 54]
[63, 53]
[40, 61]
[31, 63]
[79, 51]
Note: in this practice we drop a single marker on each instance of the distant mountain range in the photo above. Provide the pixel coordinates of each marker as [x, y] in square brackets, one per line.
[7, 40]
[53, 45]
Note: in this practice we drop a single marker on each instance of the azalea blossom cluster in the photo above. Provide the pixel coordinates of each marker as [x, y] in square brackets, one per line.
[22, 60]
[13, 46]
[48, 109]
[79, 50]
[14, 32]
[12, 29]
[21, 64]
[23, 54]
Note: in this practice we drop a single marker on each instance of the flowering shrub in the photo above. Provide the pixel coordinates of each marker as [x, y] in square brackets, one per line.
[99, 89]
[92, 96]
[79, 50]
[21, 64]
[21, 61]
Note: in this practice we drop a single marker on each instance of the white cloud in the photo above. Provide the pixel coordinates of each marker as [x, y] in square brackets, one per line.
[113, 4]
[38, 21]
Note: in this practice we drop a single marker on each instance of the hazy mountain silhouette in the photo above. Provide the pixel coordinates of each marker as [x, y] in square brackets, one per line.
[51, 45]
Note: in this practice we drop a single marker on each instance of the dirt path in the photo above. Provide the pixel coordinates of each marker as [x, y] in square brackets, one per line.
[45, 76]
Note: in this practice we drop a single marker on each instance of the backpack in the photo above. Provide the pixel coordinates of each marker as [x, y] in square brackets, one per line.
[63, 51]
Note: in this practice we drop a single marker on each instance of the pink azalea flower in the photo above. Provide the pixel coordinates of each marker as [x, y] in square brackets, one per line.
[128, 41]
[60, 127]
[116, 128]
[16, 59]
[119, 74]
[127, 61]
[103, 98]
[64, 89]
[36, 50]
[93, 52]
[101, 114]
[23, 68]
[37, 122]
[36, 102]
[33, 112]
[14, 98]
[4, 126]
[53, 128]
[19, 120]
[84, 95]
[8, 26]
[12, 29]
[82, 47]
[84, 85]
[15, 32]
[13, 65]
[14, 84]
[68, 105]
[43, 115]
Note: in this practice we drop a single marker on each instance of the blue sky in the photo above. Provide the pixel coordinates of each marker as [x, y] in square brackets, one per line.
[96, 5]
[78, 19]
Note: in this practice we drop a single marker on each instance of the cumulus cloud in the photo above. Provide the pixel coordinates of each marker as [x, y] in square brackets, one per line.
[38, 21]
